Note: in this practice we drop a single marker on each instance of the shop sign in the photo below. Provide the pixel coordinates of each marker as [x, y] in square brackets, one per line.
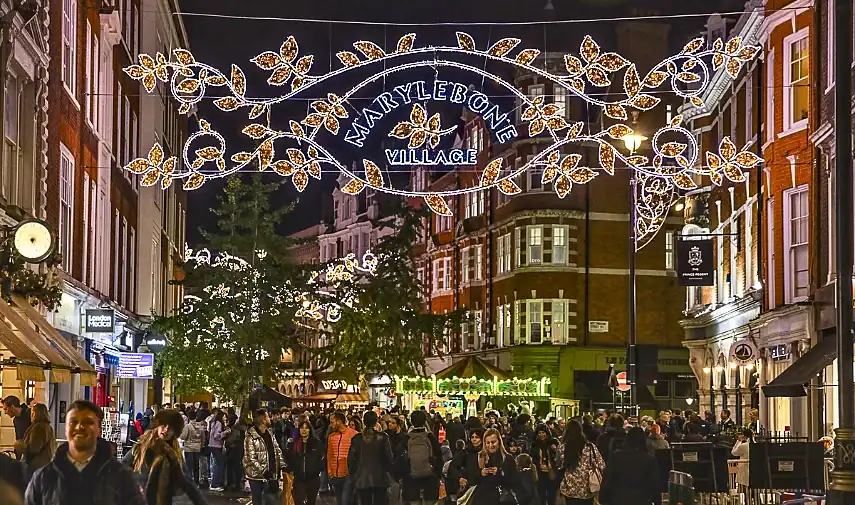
[100, 321]
[598, 326]
[779, 352]
[135, 366]
[339, 385]
[155, 342]
[695, 265]
[743, 352]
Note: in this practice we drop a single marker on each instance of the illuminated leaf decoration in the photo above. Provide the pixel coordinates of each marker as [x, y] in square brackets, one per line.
[715, 178]
[718, 45]
[637, 160]
[690, 64]
[313, 120]
[672, 149]
[733, 66]
[747, 159]
[727, 149]
[631, 83]
[491, 172]
[138, 166]
[215, 80]
[536, 127]
[150, 178]
[332, 125]
[296, 156]
[255, 131]
[149, 82]
[402, 130]
[418, 139]
[155, 155]
[304, 64]
[563, 186]
[684, 181]
[693, 45]
[529, 113]
[527, 56]
[573, 65]
[257, 110]
[655, 78]
[554, 156]
[714, 162]
[434, 123]
[283, 168]
[208, 153]
[589, 49]
[267, 60]
[556, 123]
[314, 169]
[135, 71]
[165, 182]
[509, 187]
[748, 53]
[238, 81]
[697, 102]
[607, 158]
[717, 61]
[575, 130]
[373, 174]
[733, 173]
[146, 61]
[241, 157]
[597, 77]
[347, 58]
[465, 41]
[549, 174]
[289, 49]
[733, 45]
[297, 83]
[503, 47]
[405, 43]
[676, 120]
[569, 163]
[619, 131]
[578, 85]
[169, 165]
[371, 50]
[296, 129]
[645, 102]
[265, 154]
[615, 111]
[688, 77]
[226, 103]
[354, 187]
[582, 175]
[300, 179]
[418, 115]
[184, 109]
[438, 205]
[612, 62]
[551, 109]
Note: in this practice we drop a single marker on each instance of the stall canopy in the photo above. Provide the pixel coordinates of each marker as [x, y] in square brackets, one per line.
[352, 399]
[473, 367]
[268, 398]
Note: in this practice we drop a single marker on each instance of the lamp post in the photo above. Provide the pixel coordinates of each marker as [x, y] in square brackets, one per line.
[632, 143]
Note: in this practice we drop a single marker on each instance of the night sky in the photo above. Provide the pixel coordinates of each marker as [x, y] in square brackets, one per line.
[222, 41]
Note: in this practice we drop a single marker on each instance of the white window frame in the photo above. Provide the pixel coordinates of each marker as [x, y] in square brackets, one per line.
[155, 272]
[69, 47]
[88, 72]
[559, 244]
[84, 273]
[560, 99]
[734, 255]
[116, 245]
[529, 320]
[558, 325]
[508, 252]
[500, 255]
[123, 271]
[534, 234]
[749, 105]
[770, 96]
[438, 275]
[12, 131]
[93, 232]
[770, 275]
[66, 206]
[464, 265]
[477, 263]
[535, 176]
[790, 275]
[791, 125]
[721, 284]
[748, 260]
[670, 239]
[448, 274]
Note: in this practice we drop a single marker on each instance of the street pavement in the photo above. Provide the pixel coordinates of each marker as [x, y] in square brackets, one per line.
[232, 498]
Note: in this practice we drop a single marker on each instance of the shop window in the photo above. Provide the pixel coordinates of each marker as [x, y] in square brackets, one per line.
[662, 389]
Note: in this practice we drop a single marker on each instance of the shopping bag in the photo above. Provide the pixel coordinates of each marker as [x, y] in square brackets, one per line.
[287, 488]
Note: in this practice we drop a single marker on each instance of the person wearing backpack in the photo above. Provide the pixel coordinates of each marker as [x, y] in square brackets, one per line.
[425, 458]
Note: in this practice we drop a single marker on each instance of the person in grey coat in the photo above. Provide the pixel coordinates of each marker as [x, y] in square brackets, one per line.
[656, 441]
[370, 461]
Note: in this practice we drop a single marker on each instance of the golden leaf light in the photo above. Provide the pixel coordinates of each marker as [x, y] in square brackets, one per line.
[676, 165]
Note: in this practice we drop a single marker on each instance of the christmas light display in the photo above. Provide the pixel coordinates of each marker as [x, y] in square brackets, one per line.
[675, 163]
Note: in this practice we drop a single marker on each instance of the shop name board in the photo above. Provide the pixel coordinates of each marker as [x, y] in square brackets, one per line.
[339, 385]
[695, 265]
[135, 366]
[100, 321]
[663, 361]
[598, 326]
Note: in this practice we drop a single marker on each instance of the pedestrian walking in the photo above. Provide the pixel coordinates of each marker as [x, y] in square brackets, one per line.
[20, 416]
[424, 457]
[544, 455]
[84, 467]
[39, 442]
[498, 476]
[338, 445]
[370, 462]
[527, 489]
[218, 435]
[582, 465]
[632, 474]
[304, 458]
[262, 458]
[193, 436]
[234, 454]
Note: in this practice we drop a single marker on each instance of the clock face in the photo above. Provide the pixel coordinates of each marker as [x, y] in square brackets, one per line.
[33, 241]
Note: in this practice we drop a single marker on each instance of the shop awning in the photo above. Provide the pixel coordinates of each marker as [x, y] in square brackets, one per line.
[473, 366]
[88, 374]
[352, 399]
[791, 382]
[320, 397]
[61, 366]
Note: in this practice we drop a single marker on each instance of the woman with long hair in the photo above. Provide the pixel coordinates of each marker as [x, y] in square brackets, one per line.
[218, 435]
[498, 476]
[632, 474]
[579, 459]
[304, 457]
[370, 461]
[544, 455]
[157, 461]
[39, 442]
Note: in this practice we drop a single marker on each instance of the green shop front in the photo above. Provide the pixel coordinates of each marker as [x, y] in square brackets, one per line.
[472, 385]
[581, 374]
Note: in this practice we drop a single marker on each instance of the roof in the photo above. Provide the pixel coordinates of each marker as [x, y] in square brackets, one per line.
[473, 366]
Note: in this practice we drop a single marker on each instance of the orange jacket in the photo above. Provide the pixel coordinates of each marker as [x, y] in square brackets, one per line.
[338, 445]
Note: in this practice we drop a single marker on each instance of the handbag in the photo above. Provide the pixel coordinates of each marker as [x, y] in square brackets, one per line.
[595, 477]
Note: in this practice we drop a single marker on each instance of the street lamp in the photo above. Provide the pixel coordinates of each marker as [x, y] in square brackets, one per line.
[633, 142]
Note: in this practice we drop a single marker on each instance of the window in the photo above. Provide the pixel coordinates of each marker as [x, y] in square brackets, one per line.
[720, 282]
[503, 252]
[476, 334]
[559, 322]
[559, 245]
[93, 232]
[476, 138]
[535, 244]
[669, 250]
[123, 270]
[770, 96]
[536, 91]
[796, 244]
[155, 272]
[476, 274]
[473, 203]
[830, 44]
[500, 325]
[749, 106]
[88, 72]
[11, 120]
[126, 135]
[135, 33]
[770, 227]
[69, 45]
[464, 265]
[442, 274]
[66, 206]
[84, 274]
[561, 99]
[534, 316]
[535, 176]
[447, 270]
[796, 80]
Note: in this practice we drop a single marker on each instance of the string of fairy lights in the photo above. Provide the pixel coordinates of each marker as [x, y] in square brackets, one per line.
[308, 142]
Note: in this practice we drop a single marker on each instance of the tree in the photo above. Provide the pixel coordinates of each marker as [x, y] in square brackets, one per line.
[388, 330]
[235, 319]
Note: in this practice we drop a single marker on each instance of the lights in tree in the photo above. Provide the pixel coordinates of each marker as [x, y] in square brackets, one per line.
[675, 165]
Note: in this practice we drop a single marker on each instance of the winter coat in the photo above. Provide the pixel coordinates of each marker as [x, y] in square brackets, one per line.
[544, 452]
[38, 446]
[631, 478]
[400, 463]
[161, 476]
[193, 436]
[12, 477]
[656, 442]
[489, 488]
[742, 450]
[454, 431]
[526, 489]
[255, 462]
[610, 441]
[370, 461]
[104, 479]
[306, 462]
[575, 481]
[338, 447]
[217, 435]
[464, 465]
[234, 441]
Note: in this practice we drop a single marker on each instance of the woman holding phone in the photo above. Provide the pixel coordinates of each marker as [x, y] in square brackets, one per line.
[498, 476]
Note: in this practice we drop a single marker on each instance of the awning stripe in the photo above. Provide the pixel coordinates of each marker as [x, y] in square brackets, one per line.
[17, 347]
[33, 338]
[52, 334]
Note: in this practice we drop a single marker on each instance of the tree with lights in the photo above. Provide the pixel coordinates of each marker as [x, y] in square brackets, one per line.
[234, 321]
[387, 331]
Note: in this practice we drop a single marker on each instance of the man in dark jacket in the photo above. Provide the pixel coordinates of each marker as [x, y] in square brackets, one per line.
[400, 464]
[421, 483]
[612, 439]
[20, 415]
[84, 470]
[12, 480]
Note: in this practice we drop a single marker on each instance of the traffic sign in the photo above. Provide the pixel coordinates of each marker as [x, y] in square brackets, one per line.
[621, 382]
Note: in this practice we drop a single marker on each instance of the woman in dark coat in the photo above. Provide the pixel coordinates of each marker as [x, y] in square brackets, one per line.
[498, 471]
[544, 452]
[304, 457]
[370, 461]
[39, 442]
[632, 475]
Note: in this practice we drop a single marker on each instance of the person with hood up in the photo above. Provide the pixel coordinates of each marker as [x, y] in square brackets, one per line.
[84, 467]
[632, 474]
[613, 436]
[370, 461]
[544, 455]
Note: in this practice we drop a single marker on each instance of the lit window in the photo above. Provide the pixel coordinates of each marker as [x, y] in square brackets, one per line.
[535, 244]
[797, 82]
[559, 245]
[476, 274]
[534, 316]
[69, 45]
[669, 250]
[464, 265]
[559, 322]
[66, 206]
[561, 99]
[796, 244]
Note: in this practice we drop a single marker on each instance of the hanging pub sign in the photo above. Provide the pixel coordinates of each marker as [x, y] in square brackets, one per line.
[100, 321]
[695, 265]
[743, 352]
[155, 342]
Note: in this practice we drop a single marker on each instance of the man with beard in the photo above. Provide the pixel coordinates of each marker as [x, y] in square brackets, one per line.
[83, 469]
